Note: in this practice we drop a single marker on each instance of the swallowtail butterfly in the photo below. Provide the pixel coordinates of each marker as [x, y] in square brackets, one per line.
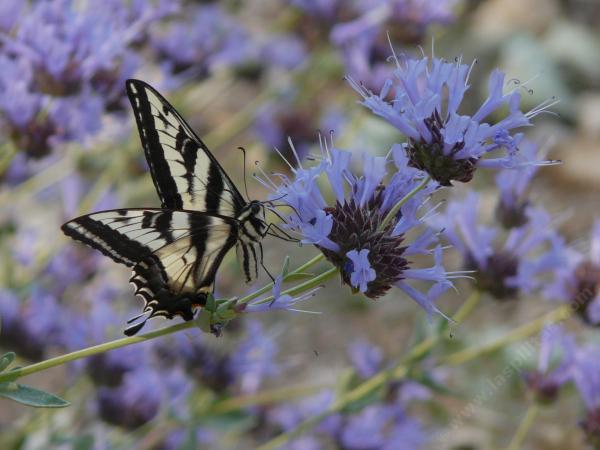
[175, 251]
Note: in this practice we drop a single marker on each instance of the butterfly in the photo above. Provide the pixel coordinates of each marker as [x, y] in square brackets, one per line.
[176, 250]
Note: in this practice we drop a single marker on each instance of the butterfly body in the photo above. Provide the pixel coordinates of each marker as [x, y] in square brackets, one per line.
[175, 251]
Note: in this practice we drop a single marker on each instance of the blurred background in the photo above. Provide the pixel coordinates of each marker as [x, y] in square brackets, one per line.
[251, 74]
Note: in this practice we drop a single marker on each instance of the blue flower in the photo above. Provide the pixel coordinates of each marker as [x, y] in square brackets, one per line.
[422, 101]
[364, 41]
[383, 427]
[206, 39]
[64, 64]
[586, 376]
[255, 359]
[551, 375]
[284, 50]
[513, 184]
[501, 270]
[371, 256]
[279, 300]
[360, 269]
[366, 358]
[134, 402]
[577, 280]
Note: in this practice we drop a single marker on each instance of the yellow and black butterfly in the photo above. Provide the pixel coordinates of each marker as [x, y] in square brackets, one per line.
[175, 251]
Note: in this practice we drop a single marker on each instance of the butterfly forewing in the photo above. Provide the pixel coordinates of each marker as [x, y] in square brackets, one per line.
[185, 173]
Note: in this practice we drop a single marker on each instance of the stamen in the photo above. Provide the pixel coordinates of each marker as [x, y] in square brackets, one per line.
[295, 152]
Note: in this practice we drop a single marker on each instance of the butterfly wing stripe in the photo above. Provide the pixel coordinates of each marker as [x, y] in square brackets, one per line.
[101, 237]
[159, 168]
[173, 150]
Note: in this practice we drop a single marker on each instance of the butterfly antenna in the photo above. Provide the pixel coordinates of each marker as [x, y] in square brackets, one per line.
[243, 150]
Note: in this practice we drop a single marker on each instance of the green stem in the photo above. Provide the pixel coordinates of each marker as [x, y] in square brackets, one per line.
[269, 286]
[89, 351]
[518, 334]
[524, 427]
[375, 382]
[312, 283]
[264, 398]
[101, 348]
[396, 208]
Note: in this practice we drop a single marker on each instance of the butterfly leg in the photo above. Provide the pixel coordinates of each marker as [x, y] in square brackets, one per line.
[262, 262]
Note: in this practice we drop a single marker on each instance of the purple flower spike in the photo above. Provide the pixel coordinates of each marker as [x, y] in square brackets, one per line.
[355, 233]
[426, 96]
[547, 380]
[503, 270]
[577, 279]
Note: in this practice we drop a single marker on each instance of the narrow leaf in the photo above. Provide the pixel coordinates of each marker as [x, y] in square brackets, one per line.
[211, 305]
[6, 360]
[298, 276]
[286, 266]
[31, 396]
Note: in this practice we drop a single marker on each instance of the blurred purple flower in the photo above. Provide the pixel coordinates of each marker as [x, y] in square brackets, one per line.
[10, 12]
[255, 358]
[275, 123]
[577, 280]
[549, 376]
[513, 185]
[30, 327]
[134, 402]
[383, 427]
[287, 416]
[528, 251]
[424, 107]
[586, 376]
[205, 39]
[64, 64]
[285, 51]
[110, 368]
[366, 358]
[324, 9]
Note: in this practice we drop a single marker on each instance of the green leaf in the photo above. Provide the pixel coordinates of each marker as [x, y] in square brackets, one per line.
[286, 266]
[298, 276]
[6, 360]
[204, 320]
[211, 305]
[30, 396]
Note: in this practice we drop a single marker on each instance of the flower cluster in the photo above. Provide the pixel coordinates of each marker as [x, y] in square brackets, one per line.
[577, 280]
[360, 30]
[383, 425]
[423, 101]
[549, 376]
[205, 38]
[563, 361]
[364, 231]
[529, 251]
[513, 185]
[64, 64]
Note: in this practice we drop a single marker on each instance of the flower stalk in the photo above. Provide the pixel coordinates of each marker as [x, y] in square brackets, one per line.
[396, 208]
[517, 441]
[123, 342]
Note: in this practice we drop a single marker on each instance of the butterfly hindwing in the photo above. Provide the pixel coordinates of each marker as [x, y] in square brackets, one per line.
[174, 254]
[185, 173]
